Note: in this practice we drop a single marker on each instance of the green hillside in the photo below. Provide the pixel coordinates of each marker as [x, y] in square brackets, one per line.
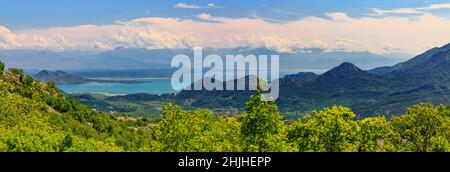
[37, 117]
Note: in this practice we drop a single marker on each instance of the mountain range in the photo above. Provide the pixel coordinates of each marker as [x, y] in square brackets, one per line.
[384, 91]
[313, 59]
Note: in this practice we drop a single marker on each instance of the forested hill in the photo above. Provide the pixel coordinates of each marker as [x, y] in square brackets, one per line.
[36, 117]
[384, 91]
[59, 77]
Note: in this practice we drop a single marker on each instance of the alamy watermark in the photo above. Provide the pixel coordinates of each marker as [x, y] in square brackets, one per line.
[233, 72]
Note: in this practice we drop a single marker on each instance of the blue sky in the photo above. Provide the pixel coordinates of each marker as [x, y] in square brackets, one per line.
[377, 26]
[23, 14]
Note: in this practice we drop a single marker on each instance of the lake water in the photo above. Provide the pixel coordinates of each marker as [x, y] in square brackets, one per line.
[145, 85]
[153, 86]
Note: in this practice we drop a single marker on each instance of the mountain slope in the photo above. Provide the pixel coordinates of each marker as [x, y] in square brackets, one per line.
[345, 84]
[37, 117]
[348, 77]
[302, 76]
[425, 78]
[414, 65]
[383, 91]
[59, 77]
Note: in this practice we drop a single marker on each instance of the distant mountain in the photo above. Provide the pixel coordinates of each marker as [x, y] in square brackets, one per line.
[343, 84]
[381, 91]
[59, 77]
[348, 76]
[218, 99]
[301, 76]
[431, 67]
[312, 59]
[425, 78]
[422, 63]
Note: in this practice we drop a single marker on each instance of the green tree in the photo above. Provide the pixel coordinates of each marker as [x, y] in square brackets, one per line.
[28, 80]
[16, 71]
[2, 66]
[262, 128]
[375, 135]
[421, 127]
[197, 130]
[329, 130]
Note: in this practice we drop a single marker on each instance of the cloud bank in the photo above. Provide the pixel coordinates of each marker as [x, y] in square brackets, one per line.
[335, 32]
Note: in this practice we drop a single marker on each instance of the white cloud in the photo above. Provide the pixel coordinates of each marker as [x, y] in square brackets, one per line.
[336, 32]
[10, 40]
[193, 6]
[211, 5]
[338, 16]
[187, 6]
[437, 6]
[132, 37]
[419, 10]
[208, 17]
[380, 12]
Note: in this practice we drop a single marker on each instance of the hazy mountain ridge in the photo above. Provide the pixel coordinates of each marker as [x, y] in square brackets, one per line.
[302, 76]
[123, 58]
[424, 78]
[59, 77]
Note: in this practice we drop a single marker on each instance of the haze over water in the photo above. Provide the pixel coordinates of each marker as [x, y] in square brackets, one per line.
[157, 86]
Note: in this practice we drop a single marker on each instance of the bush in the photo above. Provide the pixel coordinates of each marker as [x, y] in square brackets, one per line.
[16, 71]
[2, 66]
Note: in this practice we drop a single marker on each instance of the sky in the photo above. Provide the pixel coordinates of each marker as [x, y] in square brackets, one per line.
[377, 26]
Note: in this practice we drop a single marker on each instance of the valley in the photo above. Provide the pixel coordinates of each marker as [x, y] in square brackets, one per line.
[385, 91]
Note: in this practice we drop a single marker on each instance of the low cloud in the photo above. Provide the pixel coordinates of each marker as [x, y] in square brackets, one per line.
[10, 40]
[335, 32]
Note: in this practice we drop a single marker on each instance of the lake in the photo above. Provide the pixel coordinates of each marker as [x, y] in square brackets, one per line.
[151, 86]
[126, 85]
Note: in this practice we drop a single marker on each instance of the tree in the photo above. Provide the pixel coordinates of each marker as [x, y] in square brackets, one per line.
[423, 128]
[329, 130]
[16, 71]
[28, 80]
[374, 135]
[2, 66]
[196, 131]
[262, 128]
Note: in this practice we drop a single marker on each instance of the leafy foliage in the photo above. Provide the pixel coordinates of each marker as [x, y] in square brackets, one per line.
[262, 127]
[424, 128]
[197, 130]
[329, 130]
[2, 66]
[37, 117]
[16, 71]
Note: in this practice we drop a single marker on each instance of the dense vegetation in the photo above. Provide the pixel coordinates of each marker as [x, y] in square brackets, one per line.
[37, 117]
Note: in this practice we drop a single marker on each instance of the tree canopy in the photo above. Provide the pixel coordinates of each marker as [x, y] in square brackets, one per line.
[37, 117]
